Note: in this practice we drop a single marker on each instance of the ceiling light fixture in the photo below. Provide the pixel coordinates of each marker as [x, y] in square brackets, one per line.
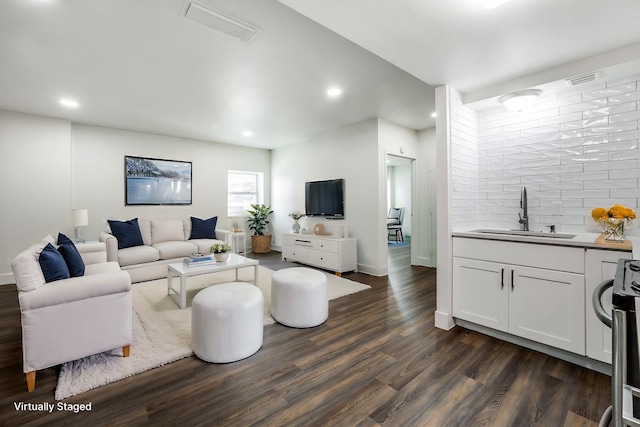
[333, 92]
[69, 103]
[247, 133]
[518, 101]
[434, 114]
[492, 4]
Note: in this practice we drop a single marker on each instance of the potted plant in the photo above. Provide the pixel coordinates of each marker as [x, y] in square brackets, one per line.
[258, 220]
[220, 251]
[296, 217]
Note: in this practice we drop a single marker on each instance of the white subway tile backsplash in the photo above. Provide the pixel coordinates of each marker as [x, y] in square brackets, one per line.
[580, 148]
[584, 176]
[609, 166]
[611, 128]
[625, 117]
[585, 158]
[624, 98]
[558, 119]
[611, 184]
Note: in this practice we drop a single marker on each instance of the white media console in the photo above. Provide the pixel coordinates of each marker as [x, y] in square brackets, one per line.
[327, 252]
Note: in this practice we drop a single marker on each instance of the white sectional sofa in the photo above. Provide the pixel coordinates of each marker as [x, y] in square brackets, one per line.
[163, 241]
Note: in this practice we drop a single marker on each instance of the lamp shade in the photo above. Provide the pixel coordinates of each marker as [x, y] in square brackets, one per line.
[79, 217]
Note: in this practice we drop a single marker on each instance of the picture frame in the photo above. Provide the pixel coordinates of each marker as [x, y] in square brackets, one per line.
[151, 181]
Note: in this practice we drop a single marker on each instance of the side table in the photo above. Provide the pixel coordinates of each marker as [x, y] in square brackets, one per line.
[239, 242]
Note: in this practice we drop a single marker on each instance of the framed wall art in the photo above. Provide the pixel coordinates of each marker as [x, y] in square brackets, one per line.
[150, 181]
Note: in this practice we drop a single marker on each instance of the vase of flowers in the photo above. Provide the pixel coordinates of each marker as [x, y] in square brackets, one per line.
[613, 221]
[296, 218]
[221, 251]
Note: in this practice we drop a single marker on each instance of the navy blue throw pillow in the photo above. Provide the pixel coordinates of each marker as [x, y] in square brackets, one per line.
[71, 256]
[203, 228]
[52, 264]
[127, 233]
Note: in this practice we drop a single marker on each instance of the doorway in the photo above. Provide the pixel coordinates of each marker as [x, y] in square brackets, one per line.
[400, 198]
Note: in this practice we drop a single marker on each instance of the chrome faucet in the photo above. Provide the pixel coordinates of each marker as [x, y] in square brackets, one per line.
[524, 218]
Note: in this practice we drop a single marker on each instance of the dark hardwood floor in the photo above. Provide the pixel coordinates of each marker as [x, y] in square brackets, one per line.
[378, 360]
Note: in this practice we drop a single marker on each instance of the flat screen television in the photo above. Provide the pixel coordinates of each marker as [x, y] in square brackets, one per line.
[324, 198]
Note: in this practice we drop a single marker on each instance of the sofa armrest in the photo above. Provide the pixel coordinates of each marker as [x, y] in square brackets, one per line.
[92, 253]
[75, 289]
[111, 245]
[222, 235]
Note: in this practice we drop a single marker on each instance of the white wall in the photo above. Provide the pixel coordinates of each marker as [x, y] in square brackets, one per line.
[51, 166]
[358, 154]
[98, 174]
[351, 154]
[35, 172]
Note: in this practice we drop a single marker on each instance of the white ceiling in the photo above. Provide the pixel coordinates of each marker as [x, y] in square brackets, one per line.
[140, 65]
[485, 53]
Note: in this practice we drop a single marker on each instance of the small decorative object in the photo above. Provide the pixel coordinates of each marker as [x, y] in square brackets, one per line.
[258, 220]
[221, 251]
[296, 217]
[613, 221]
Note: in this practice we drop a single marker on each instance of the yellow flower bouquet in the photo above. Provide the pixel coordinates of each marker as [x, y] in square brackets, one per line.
[612, 221]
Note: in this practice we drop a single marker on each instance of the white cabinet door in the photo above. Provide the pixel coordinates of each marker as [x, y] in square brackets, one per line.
[600, 266]
[548, 307]
[480, 293]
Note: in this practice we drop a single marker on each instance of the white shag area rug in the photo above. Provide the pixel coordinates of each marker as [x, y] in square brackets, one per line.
[162, 332]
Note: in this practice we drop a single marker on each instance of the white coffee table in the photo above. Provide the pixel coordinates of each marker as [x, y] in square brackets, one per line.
[180, 270]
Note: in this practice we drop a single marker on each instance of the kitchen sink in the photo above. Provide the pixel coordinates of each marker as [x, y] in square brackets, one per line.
[526, 233]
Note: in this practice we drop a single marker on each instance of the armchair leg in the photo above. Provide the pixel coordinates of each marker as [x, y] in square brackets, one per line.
[31, 381]
[125, 350]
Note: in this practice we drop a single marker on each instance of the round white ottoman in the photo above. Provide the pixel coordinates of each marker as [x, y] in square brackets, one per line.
[227, 322]
[299, 297]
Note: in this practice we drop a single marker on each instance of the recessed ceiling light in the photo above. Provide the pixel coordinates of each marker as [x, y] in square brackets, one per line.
[69, 103]
[247, 133]
[492, 4]
[333, 92]
[434, 114]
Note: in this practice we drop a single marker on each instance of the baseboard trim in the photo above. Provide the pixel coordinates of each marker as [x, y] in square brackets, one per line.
[7, 279]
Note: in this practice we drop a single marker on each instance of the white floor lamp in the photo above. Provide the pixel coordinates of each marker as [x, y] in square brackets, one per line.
[79, 218]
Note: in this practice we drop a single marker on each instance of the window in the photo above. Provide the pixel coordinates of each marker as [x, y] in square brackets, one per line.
[244, 189]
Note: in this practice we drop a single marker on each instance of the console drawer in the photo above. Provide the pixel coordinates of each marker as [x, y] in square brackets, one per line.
[328, 260]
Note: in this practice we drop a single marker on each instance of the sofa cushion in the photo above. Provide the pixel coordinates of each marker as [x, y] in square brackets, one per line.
[167, 230]
[137, 255]
[170, 250]
[203, 228]
[52, 264]
[101, 268]
[127, 232]
[26, 269]
[71, 256]
[204, 245]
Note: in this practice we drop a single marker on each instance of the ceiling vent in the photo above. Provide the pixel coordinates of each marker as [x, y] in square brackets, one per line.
[220, 21]
[583, 78]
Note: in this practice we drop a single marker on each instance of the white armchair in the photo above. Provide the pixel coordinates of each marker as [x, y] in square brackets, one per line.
[68, 319]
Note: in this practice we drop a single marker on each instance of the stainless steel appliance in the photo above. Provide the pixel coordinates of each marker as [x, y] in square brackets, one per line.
[624, 322]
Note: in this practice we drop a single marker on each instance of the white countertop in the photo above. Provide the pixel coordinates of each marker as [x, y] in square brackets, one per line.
[582, 240]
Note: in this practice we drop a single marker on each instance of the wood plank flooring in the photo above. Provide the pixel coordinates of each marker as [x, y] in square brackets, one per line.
[378, 360]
